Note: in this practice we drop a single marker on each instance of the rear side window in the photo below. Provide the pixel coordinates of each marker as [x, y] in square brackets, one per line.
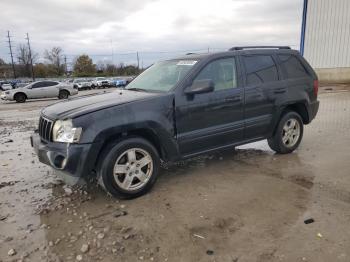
[293, 66]
[51, 83]
[260, 69]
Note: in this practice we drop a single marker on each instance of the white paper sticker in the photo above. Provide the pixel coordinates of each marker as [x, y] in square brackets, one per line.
[187, 62]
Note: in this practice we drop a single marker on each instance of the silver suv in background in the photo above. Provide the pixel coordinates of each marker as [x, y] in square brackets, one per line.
[82, 84]
[100, 82]
[40, 89]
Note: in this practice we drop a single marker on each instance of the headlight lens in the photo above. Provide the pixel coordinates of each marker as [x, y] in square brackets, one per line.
[63, 131]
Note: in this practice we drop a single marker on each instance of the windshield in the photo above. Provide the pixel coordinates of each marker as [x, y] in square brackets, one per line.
[162, 76]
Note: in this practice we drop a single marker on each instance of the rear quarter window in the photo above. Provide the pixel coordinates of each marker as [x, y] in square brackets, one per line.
[293, 67]
[260, 69]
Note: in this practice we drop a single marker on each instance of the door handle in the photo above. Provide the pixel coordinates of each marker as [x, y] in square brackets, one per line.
[233, 99]
[280, 90]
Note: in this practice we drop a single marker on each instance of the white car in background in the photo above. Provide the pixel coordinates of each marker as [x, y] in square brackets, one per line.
[4, 87]
[99, 82]
[40, 89]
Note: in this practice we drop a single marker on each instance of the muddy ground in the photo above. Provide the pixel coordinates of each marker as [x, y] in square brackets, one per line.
[244, 205]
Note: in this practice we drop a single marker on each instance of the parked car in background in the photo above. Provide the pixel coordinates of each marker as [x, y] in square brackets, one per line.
[40, 89]
[178, 109]
[81, 84]
[5, 86]
[118, 82]
[100, 82]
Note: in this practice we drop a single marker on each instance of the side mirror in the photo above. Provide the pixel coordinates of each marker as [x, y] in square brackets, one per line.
[200, 87]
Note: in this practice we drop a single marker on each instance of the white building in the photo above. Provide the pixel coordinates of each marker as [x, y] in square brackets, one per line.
[325, 38]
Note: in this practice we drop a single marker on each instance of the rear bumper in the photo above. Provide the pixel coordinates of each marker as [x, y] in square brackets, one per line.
[68, 160]
[313, 109]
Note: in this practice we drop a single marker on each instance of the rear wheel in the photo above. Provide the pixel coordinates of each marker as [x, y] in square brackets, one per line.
[129, 168]
[63, 94]
[20, 98]
[288, 134]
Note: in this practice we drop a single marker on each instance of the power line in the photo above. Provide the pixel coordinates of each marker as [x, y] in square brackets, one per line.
[10, 46]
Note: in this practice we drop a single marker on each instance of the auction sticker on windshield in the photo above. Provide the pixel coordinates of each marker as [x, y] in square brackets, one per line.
[187, 62]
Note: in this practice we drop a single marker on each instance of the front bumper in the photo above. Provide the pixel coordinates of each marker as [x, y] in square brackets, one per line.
[4, 97]
[70, 161]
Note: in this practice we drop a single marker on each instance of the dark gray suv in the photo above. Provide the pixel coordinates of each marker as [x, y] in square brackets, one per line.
[178, 109]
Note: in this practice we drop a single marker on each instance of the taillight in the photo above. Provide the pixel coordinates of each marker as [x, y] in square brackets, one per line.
[315, 87]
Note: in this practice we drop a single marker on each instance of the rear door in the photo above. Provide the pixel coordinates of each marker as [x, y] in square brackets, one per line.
[262, 87]
[50, 89]
[211, 120]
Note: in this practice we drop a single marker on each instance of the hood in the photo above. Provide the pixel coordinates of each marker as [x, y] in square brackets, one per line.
[86, 104]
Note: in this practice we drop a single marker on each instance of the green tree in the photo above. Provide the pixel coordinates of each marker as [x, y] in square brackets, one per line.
[83, 66]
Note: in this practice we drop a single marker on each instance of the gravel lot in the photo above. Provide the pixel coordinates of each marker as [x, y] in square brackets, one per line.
[246, 205]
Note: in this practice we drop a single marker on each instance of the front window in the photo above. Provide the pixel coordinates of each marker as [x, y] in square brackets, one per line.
[162, 76]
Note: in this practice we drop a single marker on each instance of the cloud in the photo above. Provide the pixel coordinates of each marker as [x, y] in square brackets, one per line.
[102, 27]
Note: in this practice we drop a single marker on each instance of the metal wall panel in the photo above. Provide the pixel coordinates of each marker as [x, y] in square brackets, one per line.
[327, 35]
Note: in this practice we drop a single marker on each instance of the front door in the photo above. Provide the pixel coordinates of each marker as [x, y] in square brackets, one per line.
[37, 90]
[215, 119]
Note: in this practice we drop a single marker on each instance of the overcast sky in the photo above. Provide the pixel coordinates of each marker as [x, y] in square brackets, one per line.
[158, 29]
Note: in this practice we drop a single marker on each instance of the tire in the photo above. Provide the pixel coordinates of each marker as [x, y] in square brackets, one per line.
[63, 94]
[126, 184]
[20, 97]
[288, 134]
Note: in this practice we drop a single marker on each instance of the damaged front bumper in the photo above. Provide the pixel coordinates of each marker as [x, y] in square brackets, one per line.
[68, 160]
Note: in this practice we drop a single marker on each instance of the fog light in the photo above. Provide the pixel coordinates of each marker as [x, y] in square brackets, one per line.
[60, 162]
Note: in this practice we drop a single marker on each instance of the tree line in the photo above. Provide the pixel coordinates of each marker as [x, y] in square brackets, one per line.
[55, 65]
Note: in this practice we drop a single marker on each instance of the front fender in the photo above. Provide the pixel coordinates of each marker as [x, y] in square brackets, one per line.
[154, 115]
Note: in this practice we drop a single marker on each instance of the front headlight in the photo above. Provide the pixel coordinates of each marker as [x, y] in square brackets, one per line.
[63, 131]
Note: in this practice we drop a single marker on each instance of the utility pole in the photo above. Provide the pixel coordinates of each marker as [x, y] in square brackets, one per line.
[13, 64]
[65, 65]
[30, 57]
[112, 56]
[138, 60]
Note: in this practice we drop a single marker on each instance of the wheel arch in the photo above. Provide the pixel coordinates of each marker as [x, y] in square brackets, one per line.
[299, 108]
[20, 92]
[64, 90]
[145, 133]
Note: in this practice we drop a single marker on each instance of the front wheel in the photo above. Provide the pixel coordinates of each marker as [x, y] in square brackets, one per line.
[129, 168]
[20, 98]
[288, 134]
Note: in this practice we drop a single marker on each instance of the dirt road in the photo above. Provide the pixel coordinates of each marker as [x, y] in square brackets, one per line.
[247, 205]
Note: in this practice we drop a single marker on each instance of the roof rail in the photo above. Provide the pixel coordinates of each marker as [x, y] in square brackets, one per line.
[257, 47]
